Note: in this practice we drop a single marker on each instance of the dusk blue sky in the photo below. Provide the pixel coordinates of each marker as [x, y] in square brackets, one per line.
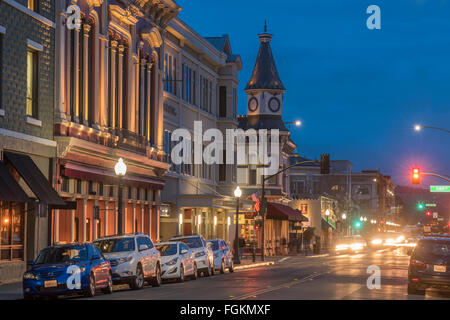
[358, 91]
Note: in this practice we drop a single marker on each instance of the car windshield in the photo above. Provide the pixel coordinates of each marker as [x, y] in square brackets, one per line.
[167, 249]
[215, 244]
[436, 248]
[194, 242]
[115, 245]
[62, 254]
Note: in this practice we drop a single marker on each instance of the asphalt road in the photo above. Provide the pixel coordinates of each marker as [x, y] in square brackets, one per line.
[341, 277]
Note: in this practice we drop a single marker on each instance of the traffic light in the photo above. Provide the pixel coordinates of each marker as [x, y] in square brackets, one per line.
[357, 225]
[420, 206]
[415, 176]
[428, 213]
[325, 164]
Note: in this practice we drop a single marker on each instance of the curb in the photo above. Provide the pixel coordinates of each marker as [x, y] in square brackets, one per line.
[254, 265]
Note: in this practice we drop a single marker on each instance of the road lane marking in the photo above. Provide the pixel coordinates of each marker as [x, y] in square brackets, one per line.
[281, 286]
[284, 259]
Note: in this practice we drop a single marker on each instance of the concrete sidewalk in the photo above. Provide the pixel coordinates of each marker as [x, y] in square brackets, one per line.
[247, 262]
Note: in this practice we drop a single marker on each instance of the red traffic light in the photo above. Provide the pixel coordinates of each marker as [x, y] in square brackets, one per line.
[428, 213]
[416, 176]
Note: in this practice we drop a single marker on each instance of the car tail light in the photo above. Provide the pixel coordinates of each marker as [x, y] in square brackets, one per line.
[418, 263]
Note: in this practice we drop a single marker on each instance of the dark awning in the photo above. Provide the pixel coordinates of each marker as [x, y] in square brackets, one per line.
[34, 178]
[9, 188]
[280, 211]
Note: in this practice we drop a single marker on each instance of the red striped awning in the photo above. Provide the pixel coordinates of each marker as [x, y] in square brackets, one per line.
[77, 171]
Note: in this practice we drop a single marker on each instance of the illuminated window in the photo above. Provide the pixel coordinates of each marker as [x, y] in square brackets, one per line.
[33, 5]
[32, 83]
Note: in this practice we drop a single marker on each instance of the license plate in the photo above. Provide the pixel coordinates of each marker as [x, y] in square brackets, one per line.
[440, 269]
[50, 284]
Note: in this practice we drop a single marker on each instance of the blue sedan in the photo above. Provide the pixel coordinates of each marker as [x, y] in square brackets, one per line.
[67, 269]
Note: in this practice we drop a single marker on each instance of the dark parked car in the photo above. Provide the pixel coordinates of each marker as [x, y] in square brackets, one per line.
[429, 265]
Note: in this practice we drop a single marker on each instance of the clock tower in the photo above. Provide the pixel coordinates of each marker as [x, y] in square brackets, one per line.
[265, 89]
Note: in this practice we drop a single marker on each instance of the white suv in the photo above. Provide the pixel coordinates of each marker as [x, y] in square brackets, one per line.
[133, 258]
[203, 253]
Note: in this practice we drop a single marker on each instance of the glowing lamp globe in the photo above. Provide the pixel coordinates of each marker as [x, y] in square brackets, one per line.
[120, 168]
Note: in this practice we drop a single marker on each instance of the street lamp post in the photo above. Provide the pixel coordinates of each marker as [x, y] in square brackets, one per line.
[237, 194]
[121, 170]
[344, 218]
[327, 213]
[419, 127]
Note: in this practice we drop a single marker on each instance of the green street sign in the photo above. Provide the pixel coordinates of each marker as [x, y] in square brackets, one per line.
[439, 188]
[430, 205]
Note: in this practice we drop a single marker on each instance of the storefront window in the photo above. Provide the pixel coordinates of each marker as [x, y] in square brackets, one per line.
[11, 231]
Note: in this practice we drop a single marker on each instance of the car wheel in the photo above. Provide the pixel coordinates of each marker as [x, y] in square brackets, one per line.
[222, 267]
[138, 282]
[156, 281]
[231, 268]
[412, 289]
[90, 292]
[181, 278]
[109, 288]
[195, 274]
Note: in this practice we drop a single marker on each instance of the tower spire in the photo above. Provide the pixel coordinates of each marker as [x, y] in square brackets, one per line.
[265, 26]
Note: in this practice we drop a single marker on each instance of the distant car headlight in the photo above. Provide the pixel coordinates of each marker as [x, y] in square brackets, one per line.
[342, 247]
[200, 254]
[30, 276]
[356, 246]
[172, 262]
[377, 241]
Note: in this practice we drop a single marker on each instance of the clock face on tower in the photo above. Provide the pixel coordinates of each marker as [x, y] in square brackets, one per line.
[274, 104]
[253, 104]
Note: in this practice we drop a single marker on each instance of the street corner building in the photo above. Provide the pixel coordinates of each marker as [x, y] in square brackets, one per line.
[201, 85]
[109, 105]
[265, 92]
[27, 148]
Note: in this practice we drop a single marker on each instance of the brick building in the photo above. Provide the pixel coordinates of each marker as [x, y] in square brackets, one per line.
[27, 149]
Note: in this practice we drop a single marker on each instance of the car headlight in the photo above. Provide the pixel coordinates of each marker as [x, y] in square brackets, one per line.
[377, 241]
[200, 254]
[341, 247]
[172, 262]
[356, 246]
[125, 259]
[30, 276]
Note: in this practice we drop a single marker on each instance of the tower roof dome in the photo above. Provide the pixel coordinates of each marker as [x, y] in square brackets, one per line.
[265, 73]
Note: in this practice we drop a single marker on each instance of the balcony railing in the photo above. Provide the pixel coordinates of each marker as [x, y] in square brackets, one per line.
[130, 141]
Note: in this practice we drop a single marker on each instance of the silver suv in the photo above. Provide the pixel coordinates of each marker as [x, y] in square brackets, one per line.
[203, 253]
[133, 258]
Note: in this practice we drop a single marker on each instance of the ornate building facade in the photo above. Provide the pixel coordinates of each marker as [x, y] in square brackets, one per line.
[201, 85]
[109, 105]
